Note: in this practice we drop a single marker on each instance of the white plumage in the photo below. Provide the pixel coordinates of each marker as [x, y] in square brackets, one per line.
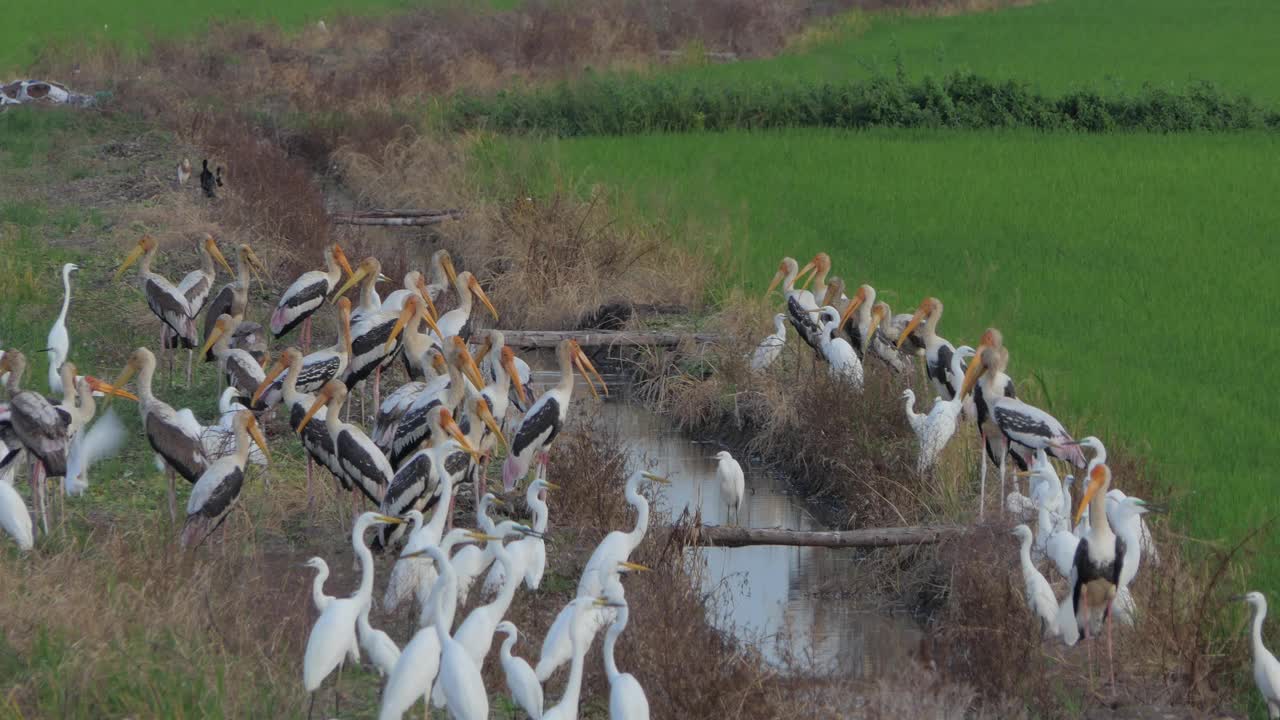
[102, 440]
[381, 649]
[1266, 670]
[1039, 594]
[523, 684]
[14, 517]
[771, 347]
[732, 482]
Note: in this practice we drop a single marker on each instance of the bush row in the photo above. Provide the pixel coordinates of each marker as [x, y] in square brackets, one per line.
[621, 106]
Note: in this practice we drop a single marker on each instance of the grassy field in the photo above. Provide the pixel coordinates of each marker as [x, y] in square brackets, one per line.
[1123, 269]
[1055, 45]
[30, 25]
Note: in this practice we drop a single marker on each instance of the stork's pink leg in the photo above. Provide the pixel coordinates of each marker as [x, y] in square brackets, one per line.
[982, 484]
[306, 335]
[1111, 661]
[1084, 600]
[173, 503]
[377, 378]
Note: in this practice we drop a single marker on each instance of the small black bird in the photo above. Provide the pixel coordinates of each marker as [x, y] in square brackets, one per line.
[207, 180]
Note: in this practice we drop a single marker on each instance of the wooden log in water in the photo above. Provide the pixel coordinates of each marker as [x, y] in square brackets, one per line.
[720, 536]
[596, 338]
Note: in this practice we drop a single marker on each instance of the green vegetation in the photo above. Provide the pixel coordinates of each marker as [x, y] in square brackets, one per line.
[29, 27]
[1121, 267]
[608, 106]
[1056, 45]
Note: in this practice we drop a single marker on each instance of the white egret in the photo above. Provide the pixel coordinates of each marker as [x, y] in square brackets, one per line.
[937, 428]
[14, 517]
[460, 681]
[59, 342]
[732, 483]
[1266, 670]
[617, 546]
[567, 708]
[557, 645]
[523, 684]
[626, 697]
[529, 553]
[334, 633]
[382, 650]
[476, 631]
[1039, 594]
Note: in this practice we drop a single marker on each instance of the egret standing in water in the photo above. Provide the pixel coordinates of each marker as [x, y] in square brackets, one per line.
[732, 484]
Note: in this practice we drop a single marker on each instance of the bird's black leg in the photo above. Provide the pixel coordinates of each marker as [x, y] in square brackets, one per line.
[311, 705]
[1110, 657]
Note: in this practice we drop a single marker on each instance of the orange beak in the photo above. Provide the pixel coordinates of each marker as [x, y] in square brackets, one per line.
[109, 389]
[451, 427]
[509, 364]
[911, 326]
[322, 398]
[276, 371]
[585, 367]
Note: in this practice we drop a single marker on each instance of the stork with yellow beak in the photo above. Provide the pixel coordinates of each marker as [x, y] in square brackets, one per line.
[1099, 560]
[218, 489]
[820, 265]
[986, 378]
[363, 464]
[455, 321]
[542, 423]
[937, 350]
[404, 423]
[800, 303]
[233, 298]
[315, 369]
[242, 371]
[372, 344]
[307, 294]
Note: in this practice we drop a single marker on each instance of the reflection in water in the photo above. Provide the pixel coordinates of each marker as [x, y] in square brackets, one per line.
[804, 598]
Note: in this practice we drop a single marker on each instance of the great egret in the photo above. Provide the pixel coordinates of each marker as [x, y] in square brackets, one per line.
[1039, 594]
[617, 546]
[529, 553]
[476, 631]
[936, 429]
[470, 561]
[415, 672]
[460, 681]
[14, 517]
[59, 342]
[381, 648]
[557, 645]
[626, 697]
[567, 708]
[334, 633]
[523, 684]
[732, 483]
[1266, 670]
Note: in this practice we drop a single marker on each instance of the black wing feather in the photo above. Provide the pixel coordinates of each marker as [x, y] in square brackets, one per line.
[548, 416]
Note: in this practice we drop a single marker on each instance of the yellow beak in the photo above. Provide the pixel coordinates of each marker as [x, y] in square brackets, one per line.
[256, 433]
[973, 372]
[125, 375]
[656, 478]
[406, 314]
[276, 371]
[777, 278]
[212, 247]
[485, 414]
[509, 364]
[467, 364]
[341, 257]
[447, 263]
[108, 389]
[132, 258]
[550, 485]
[451, 427]
[848, 313]
[322, 397]
[479, 293]
[808, 268]
[352, 279]
[911, 326]
[585, 367]
[634, 567]
[1094, 485]
[871, 331]
[259, 270]
[219, 329]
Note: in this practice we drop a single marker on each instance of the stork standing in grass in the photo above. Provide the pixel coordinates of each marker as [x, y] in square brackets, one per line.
[937, 350]
[300, 301]
[363, 464]
[164, 298]
[542, 423]
[216, 492]
[1098, 564]
[800, 303]
[233, 300]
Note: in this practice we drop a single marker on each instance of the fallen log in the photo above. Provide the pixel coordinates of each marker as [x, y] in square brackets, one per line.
[396, 217]
[589, 338]
[720, 536]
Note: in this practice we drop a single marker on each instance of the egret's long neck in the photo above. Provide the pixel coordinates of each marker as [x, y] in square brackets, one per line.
[1024, 552]
[66, 296]
[317, 586]
[507, 646]
[1259, 614]
[573, 688]
[436, 525]
[780, 326]
[610, 639]
[366, 563]
[642, 518]
[539, 513]
[445, 594]
[511, 580]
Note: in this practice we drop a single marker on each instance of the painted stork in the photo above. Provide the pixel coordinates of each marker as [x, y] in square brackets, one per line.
[1266, 670]
[986, 378]
[937, 350]
[174, 436]
[242, 371]
[443, 275]
[420, 478]
[300, 301]
[403, 418]
[506, 376]
[1039, 593]
[314, 437]
[455, 321]
[373, 346]
[771, 347]
[414, 285]
[545, 418]
[163, 297]
[367, 275]
[891, 328]
[315, 369]
[1020, 423]
[216, 492]
[58, 343]
[196, 286]
[843, 363]
[363, 464]
[800, 303]
[820, 265]
[233, 299]
[1098, 563]
[482, 430]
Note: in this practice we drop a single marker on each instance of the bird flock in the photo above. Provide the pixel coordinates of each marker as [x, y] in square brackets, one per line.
[1096, 546]
[410, 455]
[430, 440]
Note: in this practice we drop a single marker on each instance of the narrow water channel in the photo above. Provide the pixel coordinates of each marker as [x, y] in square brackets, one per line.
[788, 601]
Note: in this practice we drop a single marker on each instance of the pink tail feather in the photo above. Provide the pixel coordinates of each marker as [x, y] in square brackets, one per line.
[1070, 453]
[512, 470]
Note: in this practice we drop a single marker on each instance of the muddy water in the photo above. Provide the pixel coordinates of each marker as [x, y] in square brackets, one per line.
[798, 603]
